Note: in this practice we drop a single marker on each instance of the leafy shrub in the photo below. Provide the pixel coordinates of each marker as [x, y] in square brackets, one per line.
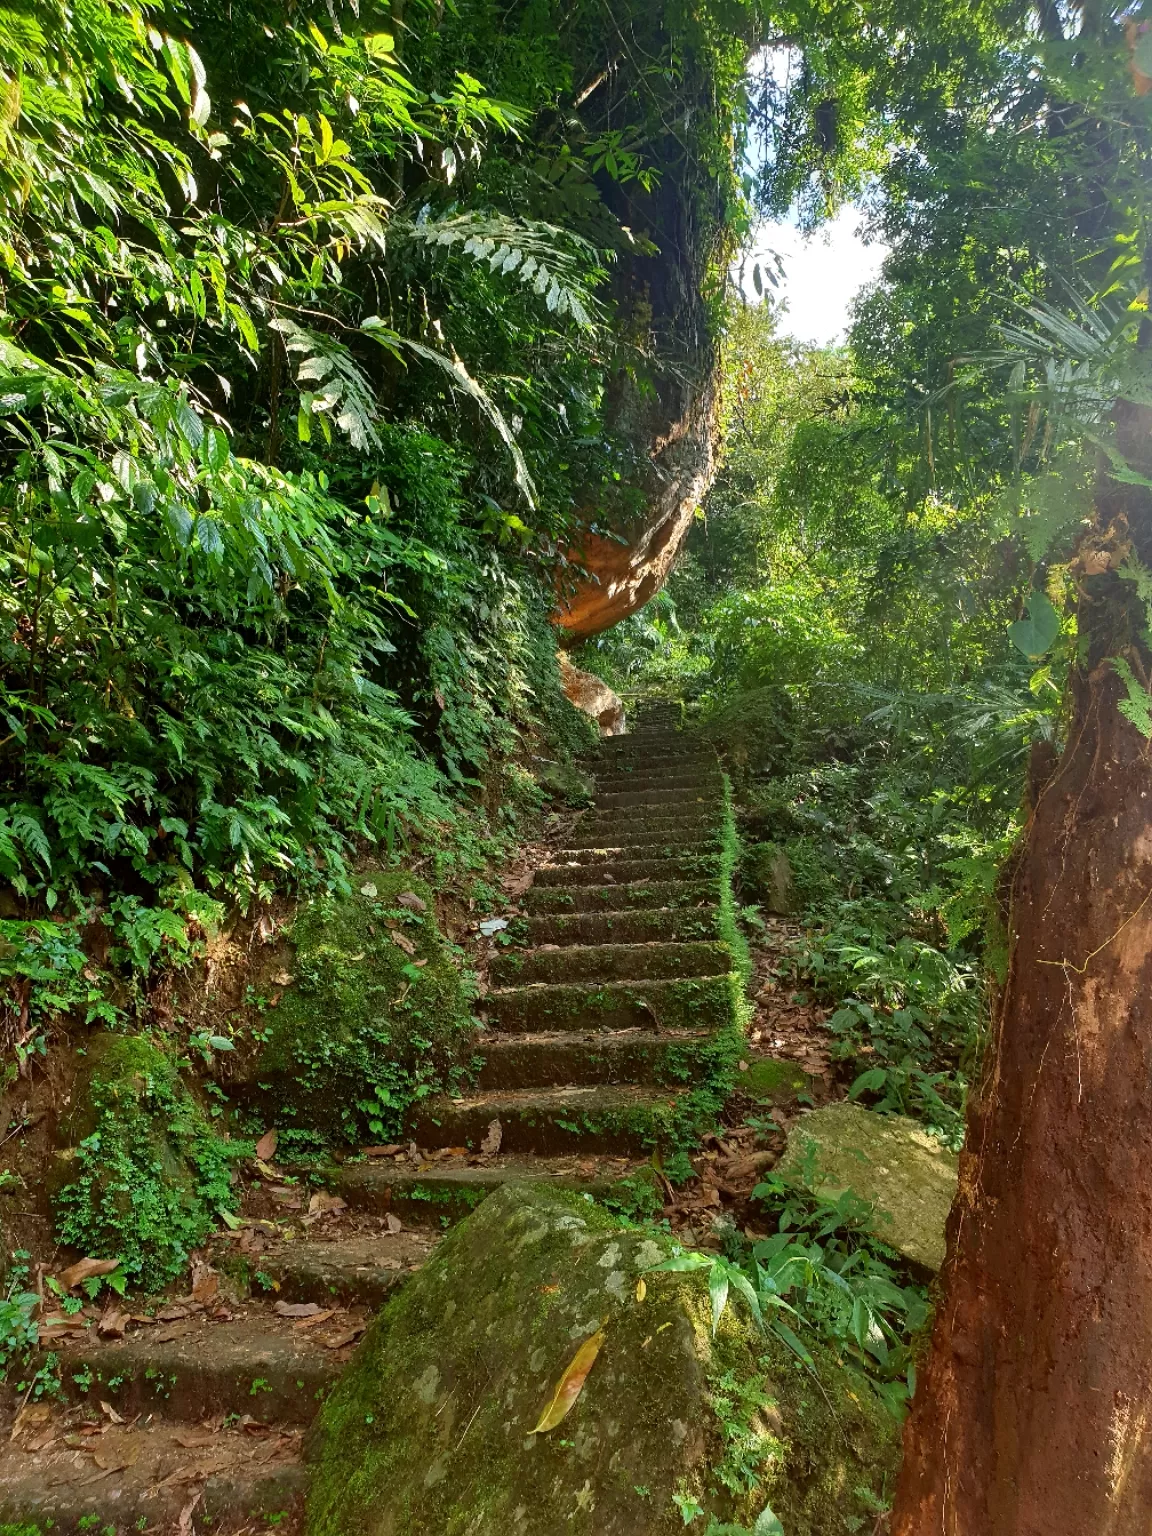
[149, 1177]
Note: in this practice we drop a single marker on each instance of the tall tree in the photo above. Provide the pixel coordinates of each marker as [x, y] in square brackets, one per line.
[1034, 1412]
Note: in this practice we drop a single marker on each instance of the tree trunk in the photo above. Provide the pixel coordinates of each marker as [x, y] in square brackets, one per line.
[1034, 1417]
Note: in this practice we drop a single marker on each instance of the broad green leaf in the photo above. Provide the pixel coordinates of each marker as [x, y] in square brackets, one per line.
[1036, 634]
[767, 1524]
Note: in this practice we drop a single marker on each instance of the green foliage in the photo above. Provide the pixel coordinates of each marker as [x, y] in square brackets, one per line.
[372, 1023]
[149, 1177]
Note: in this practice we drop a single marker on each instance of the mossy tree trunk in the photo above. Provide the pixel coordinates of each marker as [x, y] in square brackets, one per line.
[1035, 1414]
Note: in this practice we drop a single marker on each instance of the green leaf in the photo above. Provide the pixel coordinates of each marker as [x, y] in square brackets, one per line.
[767, 1524]
[1036, 634]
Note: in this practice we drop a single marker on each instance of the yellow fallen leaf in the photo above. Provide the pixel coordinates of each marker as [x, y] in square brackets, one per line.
[569, 1385]
[641, 1289]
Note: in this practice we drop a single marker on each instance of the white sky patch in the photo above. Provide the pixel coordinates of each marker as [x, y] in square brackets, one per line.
[823, 273]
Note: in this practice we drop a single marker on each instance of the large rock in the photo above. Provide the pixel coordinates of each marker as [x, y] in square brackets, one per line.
[429, 1430]
[891, 1162]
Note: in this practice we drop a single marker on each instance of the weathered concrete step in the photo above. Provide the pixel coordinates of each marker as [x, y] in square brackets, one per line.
[243, 1481]
[698, 1002]
[587, 848]
[195, 1369]
[643, 926]
[621, 1056]
[438, 1193]
[352, 1270]
[618, 898]
[616, 826]
[552, 1120]
[657, 798]
[685, 866]
[659, 777]
[610, 962]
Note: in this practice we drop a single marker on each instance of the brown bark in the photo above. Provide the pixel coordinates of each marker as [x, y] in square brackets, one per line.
[1034, 1417]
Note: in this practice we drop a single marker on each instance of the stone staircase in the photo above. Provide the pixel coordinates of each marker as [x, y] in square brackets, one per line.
[615, 1002]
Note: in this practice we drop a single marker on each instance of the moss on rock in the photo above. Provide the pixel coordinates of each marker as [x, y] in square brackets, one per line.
[377, 1017]
[430, 1427]
[146, 1174]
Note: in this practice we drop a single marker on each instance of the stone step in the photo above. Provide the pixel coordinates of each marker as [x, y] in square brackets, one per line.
[439, 1193]
[352, 1271]
[699, 1002]
[643, 926]
[256, 1364]
[244, 1482]
[659, 778]
[559, 1119]
[653, 798]
[685, 866]
[644, 845]
[620, 1056]
[622, 835]
[618, 898]
[609, 962]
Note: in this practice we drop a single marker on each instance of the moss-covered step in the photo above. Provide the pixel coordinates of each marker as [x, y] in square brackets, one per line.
[580, 1057]
[60, 1490]
[698, 1002]
[772, 1080]
[432, 1429]
[622, 826]
[622, 1120]
[656, 798]
[686, 866]
[194, 1369]
[625, 927]
[347, 1271]
[635, 896]
[610, 962]
[435, 1195]
[906, 1176]
[626, 846]
[625, 836]
[700, 780]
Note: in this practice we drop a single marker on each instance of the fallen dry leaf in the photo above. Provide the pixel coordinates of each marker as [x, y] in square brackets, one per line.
[389, 1151]
[318, 1317]
[393, 1223]
[266, 1146]
[347, 1336]
[112, 1323]
[569, 1387]
[31, 1416]
[205, 1285]
[117, 1459]
[641, 1289]
[491, 1143]
[265, 1170]
[173, 1314]
[413, 902]
[402, 941]
[85, 1269]
[111, 1412]
[184, 1524]
[296, 1309]
[194, 1439]
[324, 1204]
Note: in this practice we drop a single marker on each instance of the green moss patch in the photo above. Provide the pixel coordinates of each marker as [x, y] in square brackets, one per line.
[430, 1427]
[773, 1081]
[378, 1015]
[147, 1175]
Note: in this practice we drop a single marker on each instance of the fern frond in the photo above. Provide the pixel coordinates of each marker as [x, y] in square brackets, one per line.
[560, 266]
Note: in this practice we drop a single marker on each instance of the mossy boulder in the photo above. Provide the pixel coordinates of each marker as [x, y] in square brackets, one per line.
[907, 1177]
[430, 1428]
[771, 1080]
[376, 1016]
[143, 1174]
